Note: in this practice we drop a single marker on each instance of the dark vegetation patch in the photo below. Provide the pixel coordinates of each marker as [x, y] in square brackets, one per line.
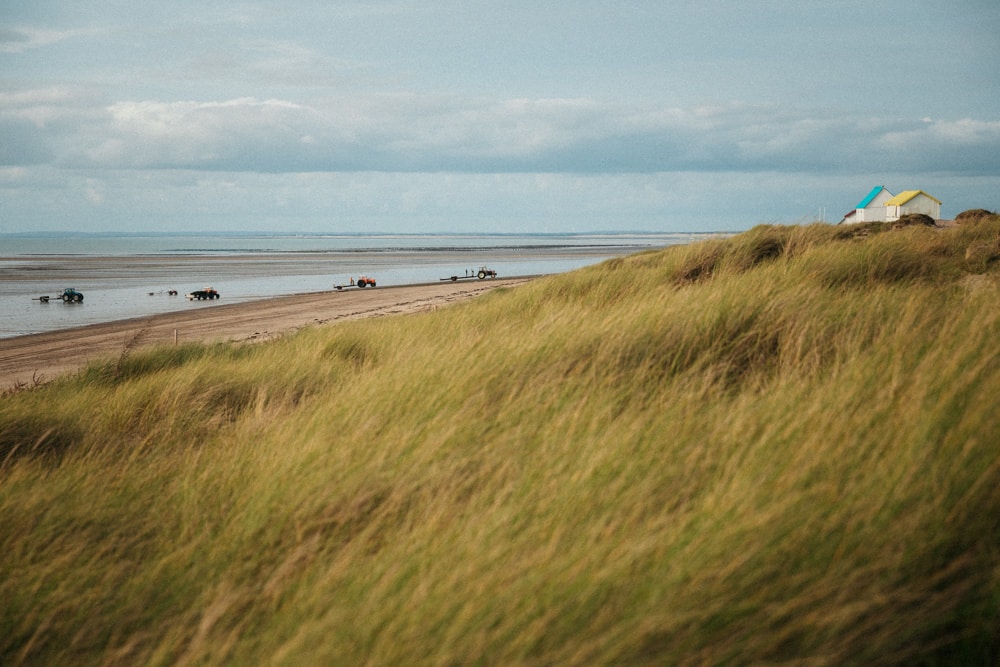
[43, 436]
[760, 245]
[912, 220]
[353, 349]
[134, 364]
[368, 516]
[700, 266]
[973, 215]
[224, 402]
[861, 230]
[730, 350]
[885, 264]
[980, 254]
[345, 518]
[858, 230]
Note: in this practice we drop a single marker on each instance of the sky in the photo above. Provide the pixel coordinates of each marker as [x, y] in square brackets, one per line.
[548, 116]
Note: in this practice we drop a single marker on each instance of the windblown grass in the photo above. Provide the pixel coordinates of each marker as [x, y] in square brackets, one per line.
[782, 447]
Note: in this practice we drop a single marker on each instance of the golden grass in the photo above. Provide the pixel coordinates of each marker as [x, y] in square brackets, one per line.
[781, 447]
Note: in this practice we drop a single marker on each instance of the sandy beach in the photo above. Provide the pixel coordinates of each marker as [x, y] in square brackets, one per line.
[27, 361]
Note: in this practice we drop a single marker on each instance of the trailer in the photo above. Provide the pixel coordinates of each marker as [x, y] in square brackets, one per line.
[483, 273]
[69, 295]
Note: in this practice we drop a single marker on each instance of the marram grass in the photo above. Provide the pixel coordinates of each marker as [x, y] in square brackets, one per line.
[783, 447]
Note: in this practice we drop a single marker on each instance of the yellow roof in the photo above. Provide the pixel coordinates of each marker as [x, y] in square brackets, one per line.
[906, 196]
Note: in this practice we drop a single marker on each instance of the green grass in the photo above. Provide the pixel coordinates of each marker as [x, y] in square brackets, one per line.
[777, 448]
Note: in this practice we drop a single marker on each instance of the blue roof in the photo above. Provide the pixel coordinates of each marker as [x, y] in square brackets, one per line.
[871, 195]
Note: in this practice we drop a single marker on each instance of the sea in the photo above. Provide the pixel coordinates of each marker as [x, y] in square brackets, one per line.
[125, 276]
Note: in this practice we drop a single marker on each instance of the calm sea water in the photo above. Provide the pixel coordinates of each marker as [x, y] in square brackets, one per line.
[126, 276]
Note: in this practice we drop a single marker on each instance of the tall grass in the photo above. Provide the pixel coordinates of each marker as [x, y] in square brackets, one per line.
[781, 447]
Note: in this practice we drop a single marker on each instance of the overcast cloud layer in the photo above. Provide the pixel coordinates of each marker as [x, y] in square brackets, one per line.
[490, 116]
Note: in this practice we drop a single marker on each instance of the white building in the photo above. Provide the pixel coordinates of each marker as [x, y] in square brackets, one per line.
[912, 201]
[880, 205]
[872, 207]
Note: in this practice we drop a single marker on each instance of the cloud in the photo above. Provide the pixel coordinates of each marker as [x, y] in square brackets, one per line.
[440, 133]
[23, 144]
[235, 135]
[962, 145]
[266, 62]
[95, 191]
[19, 40]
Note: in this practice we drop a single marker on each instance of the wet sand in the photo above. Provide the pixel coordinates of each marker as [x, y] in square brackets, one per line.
[26, 361]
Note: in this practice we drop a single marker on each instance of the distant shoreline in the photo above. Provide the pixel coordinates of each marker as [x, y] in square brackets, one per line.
[33, 359]
[124, 279]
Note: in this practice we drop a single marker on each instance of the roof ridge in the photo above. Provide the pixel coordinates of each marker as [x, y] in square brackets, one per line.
[871, 195]
[907, 195]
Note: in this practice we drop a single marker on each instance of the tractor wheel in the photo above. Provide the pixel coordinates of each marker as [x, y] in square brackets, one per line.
[482, 274]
